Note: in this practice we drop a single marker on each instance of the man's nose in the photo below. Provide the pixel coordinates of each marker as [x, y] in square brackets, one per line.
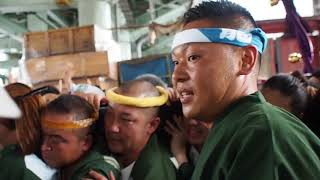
[180, 72]
[113, 125]
[45, 145]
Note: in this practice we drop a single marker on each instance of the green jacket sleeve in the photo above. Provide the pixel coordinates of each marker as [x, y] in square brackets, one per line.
[101, 169]
[97, 162]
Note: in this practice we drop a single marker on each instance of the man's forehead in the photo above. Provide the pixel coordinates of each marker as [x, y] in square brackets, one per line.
[56, 132]
[58, 117]
[121, 108]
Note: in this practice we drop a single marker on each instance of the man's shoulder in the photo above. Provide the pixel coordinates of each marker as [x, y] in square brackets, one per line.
[278, 126]
[257, 115]
[264, 114]
[153, 159]
[12, 164]
[285, 137]
[10, 149]
[94, 160]
[11, 154]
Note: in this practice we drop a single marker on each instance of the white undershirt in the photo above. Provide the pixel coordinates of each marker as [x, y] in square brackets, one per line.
[38, 167]
[126, 172]
[194, 155]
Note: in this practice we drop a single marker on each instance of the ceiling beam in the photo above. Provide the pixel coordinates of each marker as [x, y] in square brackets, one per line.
[7, 44]
[13, 61]
[14, 30]
[166, 18]
[45, 20]
[57, 19]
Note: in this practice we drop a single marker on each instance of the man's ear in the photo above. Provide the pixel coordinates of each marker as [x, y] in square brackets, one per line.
[87, 143]
[248, 61]
[153, 125]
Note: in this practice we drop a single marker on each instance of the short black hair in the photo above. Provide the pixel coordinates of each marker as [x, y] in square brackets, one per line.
[221, 11]
[311, 114]
[71, 104]
[292, 87]
[301, 77]
[316, 74]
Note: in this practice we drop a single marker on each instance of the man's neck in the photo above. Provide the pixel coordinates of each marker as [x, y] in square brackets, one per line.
[127, 158]
[67, 171]
[233, 94]
[198, 147]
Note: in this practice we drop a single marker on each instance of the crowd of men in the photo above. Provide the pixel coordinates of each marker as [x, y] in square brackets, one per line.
[213, 124]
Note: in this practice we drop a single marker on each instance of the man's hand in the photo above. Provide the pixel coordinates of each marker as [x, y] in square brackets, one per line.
[178, 141]
[96, 176]
[173, 95]
[93, 99]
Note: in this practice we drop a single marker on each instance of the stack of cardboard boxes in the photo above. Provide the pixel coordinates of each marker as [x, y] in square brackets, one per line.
[48, 55]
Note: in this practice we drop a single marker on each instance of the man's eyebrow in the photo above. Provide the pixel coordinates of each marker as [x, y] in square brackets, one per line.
[125, 114]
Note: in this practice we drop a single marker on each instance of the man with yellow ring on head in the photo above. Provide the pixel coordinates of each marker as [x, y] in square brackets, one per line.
[130, 124]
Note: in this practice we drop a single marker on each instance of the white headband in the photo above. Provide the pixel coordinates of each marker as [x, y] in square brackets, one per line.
[240, 38]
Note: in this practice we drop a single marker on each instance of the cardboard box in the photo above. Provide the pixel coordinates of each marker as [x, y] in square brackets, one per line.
[54, 67]
[63, 41]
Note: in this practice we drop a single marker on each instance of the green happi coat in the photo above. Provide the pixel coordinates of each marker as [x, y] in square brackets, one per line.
[16, 166]
[92, 161]
[153, 163]
[254, 140]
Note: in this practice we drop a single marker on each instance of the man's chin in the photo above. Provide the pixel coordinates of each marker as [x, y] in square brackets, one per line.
[115, 150]
[196, 142]
[52, 165]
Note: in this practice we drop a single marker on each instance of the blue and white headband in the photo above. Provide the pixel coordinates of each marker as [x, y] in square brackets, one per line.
[256, 37]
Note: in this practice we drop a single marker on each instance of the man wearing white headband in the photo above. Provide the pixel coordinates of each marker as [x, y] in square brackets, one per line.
[217, 60]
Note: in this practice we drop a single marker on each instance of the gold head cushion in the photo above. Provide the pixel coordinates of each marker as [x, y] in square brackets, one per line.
[68, 124]
[138, 102]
